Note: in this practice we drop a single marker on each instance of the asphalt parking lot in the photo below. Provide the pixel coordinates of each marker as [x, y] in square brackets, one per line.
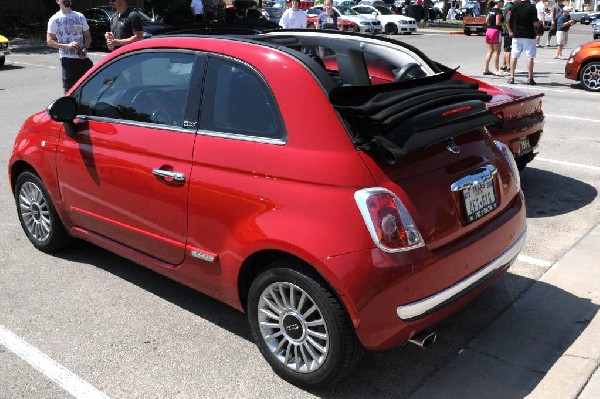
[106, 327]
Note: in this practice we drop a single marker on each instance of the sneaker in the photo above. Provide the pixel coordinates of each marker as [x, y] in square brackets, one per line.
[531, 82]
[504, 68]
[511, 80]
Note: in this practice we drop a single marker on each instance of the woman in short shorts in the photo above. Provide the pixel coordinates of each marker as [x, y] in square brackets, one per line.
[493, 36]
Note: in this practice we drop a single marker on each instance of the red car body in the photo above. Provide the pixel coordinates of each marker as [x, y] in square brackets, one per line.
[239, 205]
[584, 66]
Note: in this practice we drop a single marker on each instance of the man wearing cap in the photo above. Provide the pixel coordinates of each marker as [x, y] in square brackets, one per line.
[294, 17]
[522, 24]
[563, 24]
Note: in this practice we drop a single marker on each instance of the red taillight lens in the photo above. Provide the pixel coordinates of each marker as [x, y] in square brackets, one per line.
[387, 220]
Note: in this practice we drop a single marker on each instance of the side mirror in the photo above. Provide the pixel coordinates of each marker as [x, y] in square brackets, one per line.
[63, 110]
[374, 13]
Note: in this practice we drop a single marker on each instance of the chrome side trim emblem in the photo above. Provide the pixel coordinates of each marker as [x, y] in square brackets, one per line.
[203, 255]
[452, 146]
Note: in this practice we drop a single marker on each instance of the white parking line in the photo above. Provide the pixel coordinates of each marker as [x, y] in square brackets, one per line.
[572, 117]
[566, 163]
[57, 373]
[534, 261]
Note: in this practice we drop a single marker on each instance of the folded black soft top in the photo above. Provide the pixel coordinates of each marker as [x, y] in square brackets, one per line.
[399, 118]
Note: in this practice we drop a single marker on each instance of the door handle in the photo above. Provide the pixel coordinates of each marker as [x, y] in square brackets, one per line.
[177, 176]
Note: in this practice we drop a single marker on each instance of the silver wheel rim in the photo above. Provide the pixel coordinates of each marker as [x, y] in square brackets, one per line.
[293, 327]
[35, 211]
[591, 76]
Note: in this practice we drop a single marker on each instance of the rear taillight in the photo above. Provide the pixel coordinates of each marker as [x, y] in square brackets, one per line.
[389, 223]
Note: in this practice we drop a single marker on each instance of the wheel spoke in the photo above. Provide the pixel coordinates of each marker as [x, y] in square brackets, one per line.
[276, 300]
[316, 345]
[309, 311]
[269, 314]
[273, 336]
[288, 354]
[273, 306]
[317, 334]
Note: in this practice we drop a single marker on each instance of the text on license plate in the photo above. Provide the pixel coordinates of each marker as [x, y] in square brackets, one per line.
[479, 199]
[524, 146]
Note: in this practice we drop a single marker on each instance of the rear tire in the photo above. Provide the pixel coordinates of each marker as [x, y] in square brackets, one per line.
[2, 60]
[37, 214]
[300, 328]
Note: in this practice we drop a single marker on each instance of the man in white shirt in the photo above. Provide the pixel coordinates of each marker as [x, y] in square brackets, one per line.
[197, 9]
[540, 9]
[294, 17]
[69, 32]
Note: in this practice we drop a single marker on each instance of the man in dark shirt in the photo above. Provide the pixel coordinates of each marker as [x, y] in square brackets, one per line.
[126, 26]
[522, 24]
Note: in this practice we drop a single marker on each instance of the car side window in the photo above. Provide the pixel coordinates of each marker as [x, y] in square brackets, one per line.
[149, 87]
[236, 100]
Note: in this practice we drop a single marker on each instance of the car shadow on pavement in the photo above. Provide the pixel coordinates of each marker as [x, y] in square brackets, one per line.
[186, 298]
[550, 194]
[402, 371]
[8, 66]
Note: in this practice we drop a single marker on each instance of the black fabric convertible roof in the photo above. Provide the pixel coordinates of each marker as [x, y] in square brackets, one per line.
[397, 119]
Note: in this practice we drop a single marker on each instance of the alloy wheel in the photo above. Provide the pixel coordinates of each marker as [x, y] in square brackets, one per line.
[293, 327]
[35, 212]
[590, 76]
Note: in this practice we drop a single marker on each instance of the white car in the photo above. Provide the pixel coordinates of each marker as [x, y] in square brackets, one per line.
[392, 23]
[366, 23]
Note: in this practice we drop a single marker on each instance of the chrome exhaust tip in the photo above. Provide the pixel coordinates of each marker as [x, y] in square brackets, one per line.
[423, 338]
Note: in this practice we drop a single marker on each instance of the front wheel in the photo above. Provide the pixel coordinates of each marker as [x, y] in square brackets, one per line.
[391, 28]
[37, 214]
[300, 328]
[590, 76]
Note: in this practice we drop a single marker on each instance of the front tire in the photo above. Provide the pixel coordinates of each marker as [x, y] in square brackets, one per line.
[37, 214]
[300, 328]
[391, 28]
[590, 76]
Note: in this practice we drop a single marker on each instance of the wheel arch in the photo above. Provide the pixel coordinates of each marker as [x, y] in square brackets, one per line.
[17, 168]
[263, 260]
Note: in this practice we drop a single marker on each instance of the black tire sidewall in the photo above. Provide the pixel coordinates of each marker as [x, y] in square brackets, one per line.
[57, 236]
[332, 366]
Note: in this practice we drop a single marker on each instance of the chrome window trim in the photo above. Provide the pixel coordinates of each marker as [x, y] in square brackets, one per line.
[242, 137]
[426, 306]
[157, 126]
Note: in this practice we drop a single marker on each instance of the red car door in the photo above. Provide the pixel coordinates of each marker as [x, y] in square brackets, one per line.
[124, 169]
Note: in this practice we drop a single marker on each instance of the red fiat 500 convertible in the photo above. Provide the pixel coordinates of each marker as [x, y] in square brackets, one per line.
[359, 227]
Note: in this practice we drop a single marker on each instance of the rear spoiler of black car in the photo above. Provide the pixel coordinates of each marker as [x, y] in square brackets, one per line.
[397, 119]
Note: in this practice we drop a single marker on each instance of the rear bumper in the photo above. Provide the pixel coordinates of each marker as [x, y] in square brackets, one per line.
[391, 297]
[426, 306]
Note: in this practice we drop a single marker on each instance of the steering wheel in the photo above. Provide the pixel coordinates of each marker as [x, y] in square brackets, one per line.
[148, 102]
[411, 70]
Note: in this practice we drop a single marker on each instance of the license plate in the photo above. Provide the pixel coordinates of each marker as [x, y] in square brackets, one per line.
[479, 199]
[473, 29]
[524, 147]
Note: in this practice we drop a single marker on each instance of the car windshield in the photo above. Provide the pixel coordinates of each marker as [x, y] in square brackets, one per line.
[470, 4]
[346, 11]
[384, 11]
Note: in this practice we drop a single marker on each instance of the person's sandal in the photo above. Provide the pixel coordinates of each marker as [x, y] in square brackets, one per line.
[487, 73]
[511, 80]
